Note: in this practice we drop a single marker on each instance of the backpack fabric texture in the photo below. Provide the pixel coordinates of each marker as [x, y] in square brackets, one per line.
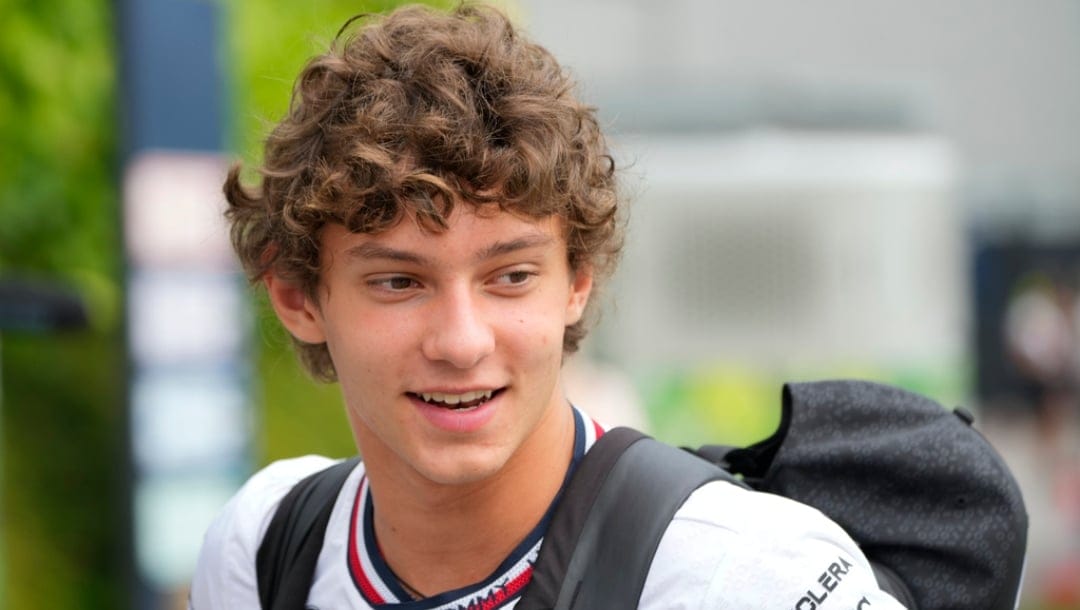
[929, 501]
[925, 496]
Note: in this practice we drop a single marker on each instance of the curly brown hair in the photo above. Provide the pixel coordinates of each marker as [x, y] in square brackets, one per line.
[408, 114]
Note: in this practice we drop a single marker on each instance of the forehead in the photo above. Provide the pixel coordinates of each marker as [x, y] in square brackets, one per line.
[471, 233]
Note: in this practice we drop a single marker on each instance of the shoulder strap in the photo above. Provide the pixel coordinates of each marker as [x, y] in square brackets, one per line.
[609, 521]
[285, 561]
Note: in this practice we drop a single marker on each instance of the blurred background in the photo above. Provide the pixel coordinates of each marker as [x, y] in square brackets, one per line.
[883, 190]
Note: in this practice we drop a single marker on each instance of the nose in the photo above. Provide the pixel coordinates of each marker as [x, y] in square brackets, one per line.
[459, 333]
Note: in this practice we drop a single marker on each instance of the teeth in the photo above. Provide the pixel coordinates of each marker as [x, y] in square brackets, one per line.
[453, 399]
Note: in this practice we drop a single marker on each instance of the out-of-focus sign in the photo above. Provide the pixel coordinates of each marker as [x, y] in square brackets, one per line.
[187, 327]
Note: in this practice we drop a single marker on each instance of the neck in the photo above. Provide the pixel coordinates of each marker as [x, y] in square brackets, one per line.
[429, 533]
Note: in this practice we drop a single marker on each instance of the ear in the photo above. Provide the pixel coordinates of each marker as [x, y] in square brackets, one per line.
[297, 312]
[580, 287]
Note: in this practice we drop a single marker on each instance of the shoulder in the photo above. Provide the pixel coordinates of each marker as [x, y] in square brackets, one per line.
[225, 571]
[729, 547]
[742, 511]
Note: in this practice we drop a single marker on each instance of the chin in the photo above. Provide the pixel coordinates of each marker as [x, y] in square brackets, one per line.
[464, 468]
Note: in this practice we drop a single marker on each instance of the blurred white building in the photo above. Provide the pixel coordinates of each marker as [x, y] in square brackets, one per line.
[775, 141]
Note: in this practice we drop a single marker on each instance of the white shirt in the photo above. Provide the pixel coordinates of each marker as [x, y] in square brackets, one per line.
[726, 548]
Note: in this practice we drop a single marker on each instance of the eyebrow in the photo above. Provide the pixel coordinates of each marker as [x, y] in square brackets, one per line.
[525, 242]
[377, 251]
[499, 248]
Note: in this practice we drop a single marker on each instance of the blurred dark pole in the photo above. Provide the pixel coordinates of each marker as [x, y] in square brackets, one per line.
[171, 84]
[171, 99]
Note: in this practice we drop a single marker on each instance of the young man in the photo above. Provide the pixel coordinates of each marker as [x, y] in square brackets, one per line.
[435, 211]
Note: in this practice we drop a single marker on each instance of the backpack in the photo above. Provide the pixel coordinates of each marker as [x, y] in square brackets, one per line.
[930, 503]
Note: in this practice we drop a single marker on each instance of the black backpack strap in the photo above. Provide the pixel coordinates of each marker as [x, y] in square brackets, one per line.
[609, 521]
[285, 561]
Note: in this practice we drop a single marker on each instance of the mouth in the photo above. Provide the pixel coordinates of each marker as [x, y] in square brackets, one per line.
[466, 401]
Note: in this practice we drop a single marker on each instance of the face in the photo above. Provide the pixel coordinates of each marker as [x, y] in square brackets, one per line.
[448, 346]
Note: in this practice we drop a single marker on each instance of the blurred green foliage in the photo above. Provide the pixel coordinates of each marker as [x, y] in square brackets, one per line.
[735, 404]
[57, 165]
[62, 432]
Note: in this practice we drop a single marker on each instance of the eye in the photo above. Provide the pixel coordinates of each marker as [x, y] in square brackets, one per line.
[516, 277]
[395, 283]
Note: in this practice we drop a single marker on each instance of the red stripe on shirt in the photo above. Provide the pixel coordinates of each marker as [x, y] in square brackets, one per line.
[362, 582]
[497, 598]
[515, 586]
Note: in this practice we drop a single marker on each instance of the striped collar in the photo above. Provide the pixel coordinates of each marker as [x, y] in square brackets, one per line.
[380, 588]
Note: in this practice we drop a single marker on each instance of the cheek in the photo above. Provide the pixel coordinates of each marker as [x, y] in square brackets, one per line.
[364, 348]
[536, 329]
[528, 331]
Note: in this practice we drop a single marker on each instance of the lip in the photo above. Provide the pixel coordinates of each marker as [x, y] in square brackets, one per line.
[460, 421]
[457, 390]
